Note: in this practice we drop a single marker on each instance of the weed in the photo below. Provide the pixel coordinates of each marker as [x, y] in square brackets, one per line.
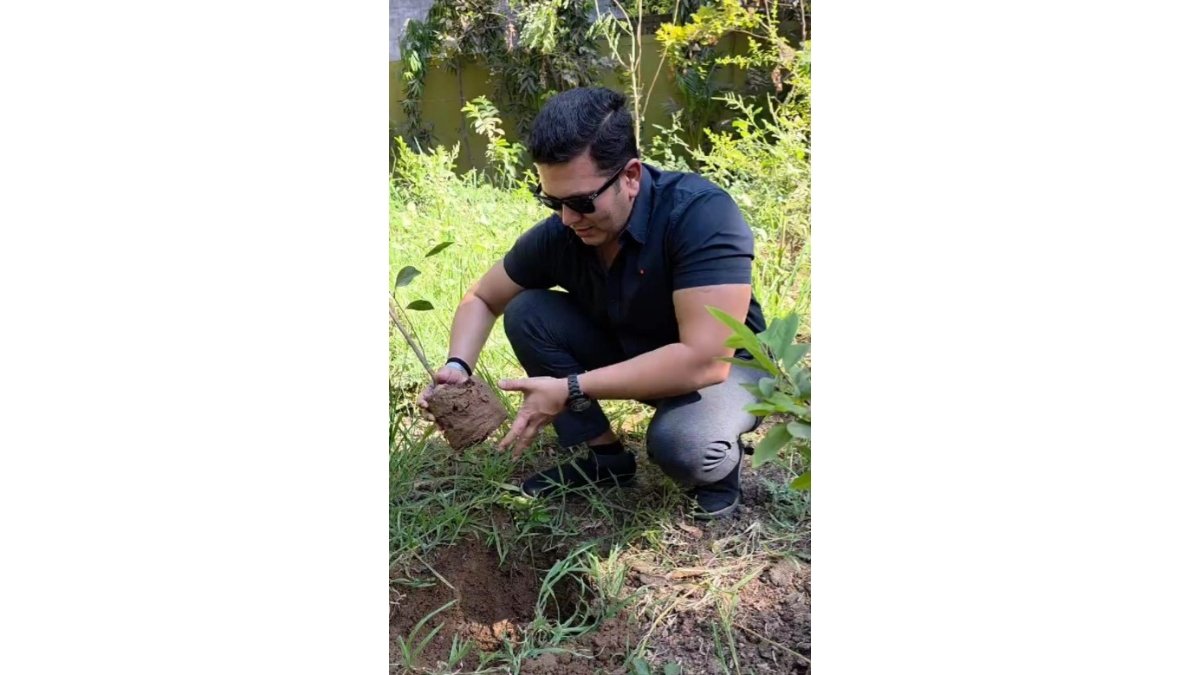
[411, 647]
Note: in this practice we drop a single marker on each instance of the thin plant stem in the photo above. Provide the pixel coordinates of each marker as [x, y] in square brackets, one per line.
[661, 61]
[408, 337]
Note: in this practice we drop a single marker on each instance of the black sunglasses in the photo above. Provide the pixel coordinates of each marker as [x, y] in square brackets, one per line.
[576, 204]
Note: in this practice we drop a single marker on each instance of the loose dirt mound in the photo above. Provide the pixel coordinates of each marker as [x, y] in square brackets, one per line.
[492, 604]
[466, 413]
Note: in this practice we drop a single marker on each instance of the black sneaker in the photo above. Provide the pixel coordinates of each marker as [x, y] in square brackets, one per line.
[719, 499]
[587, 469]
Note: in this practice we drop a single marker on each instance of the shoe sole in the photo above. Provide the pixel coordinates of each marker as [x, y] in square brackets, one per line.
[720, 513]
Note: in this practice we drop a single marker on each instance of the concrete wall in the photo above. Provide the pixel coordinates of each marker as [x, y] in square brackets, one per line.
[399, 13]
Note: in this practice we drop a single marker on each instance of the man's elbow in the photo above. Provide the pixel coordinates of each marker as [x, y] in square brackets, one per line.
[473, 298]
[713, 372]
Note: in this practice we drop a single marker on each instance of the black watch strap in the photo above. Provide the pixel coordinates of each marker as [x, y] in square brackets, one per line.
[455, 359]
[574, 391]
[576, 399]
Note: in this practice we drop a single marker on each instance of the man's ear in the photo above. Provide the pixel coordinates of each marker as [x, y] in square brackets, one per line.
[632, 177]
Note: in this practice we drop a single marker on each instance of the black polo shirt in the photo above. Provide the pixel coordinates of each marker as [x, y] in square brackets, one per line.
[684, 232]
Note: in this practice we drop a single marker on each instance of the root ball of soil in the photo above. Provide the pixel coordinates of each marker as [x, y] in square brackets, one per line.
[466, 413]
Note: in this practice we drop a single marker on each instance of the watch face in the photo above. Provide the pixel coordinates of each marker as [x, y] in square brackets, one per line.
[581, 404]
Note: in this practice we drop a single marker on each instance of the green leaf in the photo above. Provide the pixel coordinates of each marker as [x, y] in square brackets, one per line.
[747, 340]
[799, 430]
[768, 449]
[438, 249]
[793, 353]
[768, 336]
[803, 384]
[640, 667]
[739, 328]
[420, 305]
[785, 403]
[672, 669]
[791, 324]
[735, 341]
[764, 362]
[406, 276]
[780, 334]
[742, 362]
[766, 385]
[761, 409]
[803, 481]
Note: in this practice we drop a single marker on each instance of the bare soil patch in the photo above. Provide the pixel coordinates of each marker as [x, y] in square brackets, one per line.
[494, 602]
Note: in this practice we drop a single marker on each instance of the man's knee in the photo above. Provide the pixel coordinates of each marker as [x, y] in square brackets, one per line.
[688, 457]
[524, 312]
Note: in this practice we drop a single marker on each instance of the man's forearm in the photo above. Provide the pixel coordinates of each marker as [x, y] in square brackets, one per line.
[667, 371]
[473, 321]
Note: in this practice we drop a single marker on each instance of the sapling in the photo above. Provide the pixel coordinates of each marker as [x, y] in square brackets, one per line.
[784, 390]
[466, 413]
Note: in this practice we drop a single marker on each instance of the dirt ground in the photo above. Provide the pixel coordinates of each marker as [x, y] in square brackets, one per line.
[493, 602]
[770, 616]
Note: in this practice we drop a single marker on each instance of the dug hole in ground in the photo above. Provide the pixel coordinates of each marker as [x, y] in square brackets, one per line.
[614, 580]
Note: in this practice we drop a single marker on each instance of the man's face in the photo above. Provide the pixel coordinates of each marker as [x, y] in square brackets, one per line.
[580, 178]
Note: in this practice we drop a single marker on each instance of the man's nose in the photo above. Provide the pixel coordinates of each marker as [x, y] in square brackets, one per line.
[570, 217]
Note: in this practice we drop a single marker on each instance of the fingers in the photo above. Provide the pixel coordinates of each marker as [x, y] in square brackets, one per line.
[423, 397]
[446, 375]
[526, 438]
[519, 384]
[522, 434]
[514, 433]
[449, 375]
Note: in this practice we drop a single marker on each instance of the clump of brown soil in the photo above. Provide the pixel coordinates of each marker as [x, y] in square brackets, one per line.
[492, 604]
[466, 413]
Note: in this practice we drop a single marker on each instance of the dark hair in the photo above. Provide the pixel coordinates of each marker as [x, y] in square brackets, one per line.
[587, 118]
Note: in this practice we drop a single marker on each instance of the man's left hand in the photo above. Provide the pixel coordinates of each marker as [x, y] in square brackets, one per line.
[545, 398]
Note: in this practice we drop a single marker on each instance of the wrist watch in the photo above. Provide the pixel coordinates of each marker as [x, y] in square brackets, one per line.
[576, 400]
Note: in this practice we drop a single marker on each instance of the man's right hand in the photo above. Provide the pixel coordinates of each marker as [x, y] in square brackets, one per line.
[449, 374]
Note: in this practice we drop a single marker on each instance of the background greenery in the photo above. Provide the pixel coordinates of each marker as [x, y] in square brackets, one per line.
[757, 149]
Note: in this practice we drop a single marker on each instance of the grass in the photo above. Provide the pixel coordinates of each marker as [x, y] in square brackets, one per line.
[586, 545]
[597, 538]
[412, 646]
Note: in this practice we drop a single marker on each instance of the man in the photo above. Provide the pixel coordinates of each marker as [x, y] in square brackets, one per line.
[640, 254]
